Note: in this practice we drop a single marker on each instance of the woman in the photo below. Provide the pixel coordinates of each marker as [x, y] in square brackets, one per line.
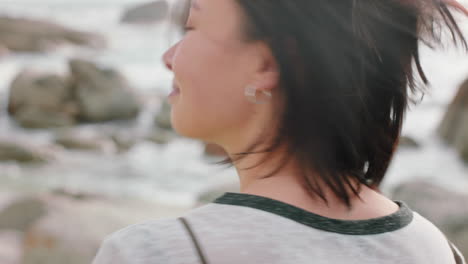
[307, 98]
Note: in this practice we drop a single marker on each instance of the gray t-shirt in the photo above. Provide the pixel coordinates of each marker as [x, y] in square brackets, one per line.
[240, 228]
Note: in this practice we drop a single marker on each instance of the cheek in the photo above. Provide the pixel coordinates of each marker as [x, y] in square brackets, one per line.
[211, 81]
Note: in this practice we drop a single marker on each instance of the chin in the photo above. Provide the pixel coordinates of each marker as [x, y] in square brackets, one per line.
[186, 128]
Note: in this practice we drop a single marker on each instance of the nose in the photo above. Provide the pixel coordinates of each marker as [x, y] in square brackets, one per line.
[168, 56]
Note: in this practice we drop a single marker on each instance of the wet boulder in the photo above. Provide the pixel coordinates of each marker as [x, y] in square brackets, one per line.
[163, 117]
[16, 151]
[408, 142]
[146, 13]
[21, 213]
[39, 100]
[73, 230]
[454, 126]
[81, 140]
[445, 208]
[102, 94]
[29, 35]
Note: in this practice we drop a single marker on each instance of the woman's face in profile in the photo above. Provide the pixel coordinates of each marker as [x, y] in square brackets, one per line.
[212, 64]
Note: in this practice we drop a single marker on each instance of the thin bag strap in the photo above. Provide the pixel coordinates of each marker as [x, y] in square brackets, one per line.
[459, 259]
[195, 242]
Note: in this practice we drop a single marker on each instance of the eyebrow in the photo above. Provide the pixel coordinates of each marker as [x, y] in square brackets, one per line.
[195, 5]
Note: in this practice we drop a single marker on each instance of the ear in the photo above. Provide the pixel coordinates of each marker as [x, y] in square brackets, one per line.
[266, 77]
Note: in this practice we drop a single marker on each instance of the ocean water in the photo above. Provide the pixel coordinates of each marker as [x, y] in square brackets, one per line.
[153, 172]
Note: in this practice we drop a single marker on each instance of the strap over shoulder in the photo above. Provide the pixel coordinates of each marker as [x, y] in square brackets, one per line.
[195, 242]
[459, 259]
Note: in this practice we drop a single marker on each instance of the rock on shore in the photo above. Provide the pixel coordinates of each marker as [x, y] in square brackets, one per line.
[16, 151]
[90, 94]
[146, 13]
[446, 209]
[39, 100]
[29, 35]
[102, 94]
[71, 230]
[454, 127]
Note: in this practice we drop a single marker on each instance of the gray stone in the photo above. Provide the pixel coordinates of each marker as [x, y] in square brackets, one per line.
[74, 194]
[73, 230]
[146, 13]
[461, 138]
[179, 13]
[454, 126]
[163, 118]
[28, 35]
[408, 142]
[160, 136]
[84, 141]
[39, 100]
[102, 94]
[448, 210]
[124, 141]
[21, 214]
[35, 118]
[15, 151]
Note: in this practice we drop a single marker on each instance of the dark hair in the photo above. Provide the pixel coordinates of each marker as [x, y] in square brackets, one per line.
[345, 68]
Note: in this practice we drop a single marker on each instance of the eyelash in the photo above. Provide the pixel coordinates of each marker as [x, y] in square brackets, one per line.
[186, 29]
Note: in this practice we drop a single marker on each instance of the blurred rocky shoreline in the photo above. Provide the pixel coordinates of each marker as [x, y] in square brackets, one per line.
[95, 110]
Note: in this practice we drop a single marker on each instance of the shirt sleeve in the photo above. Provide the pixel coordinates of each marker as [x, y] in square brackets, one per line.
[110, 252]
[160, 241]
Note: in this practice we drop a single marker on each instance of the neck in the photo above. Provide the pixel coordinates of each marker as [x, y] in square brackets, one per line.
[285, 185]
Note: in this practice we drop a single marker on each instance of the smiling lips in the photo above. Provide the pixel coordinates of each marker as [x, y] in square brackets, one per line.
[175, 89]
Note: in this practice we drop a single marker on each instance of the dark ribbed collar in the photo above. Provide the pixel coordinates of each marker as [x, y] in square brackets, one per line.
[388, 223]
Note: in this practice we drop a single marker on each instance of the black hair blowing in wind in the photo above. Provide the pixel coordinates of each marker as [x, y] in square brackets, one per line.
[346, 74]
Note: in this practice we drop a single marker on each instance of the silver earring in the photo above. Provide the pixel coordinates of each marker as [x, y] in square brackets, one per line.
[251, 94]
